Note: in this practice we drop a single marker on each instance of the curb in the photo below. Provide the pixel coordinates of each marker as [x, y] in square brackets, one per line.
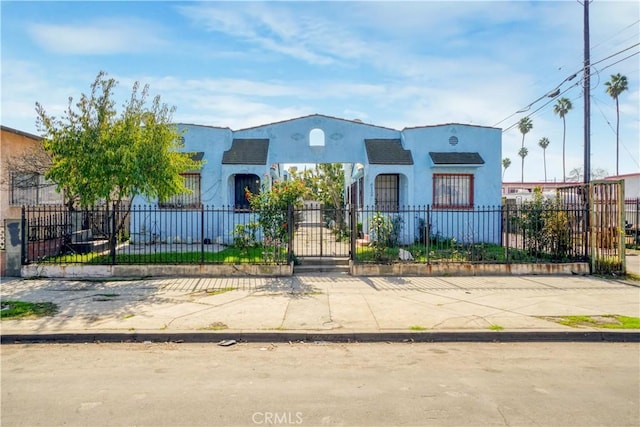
[355, 337]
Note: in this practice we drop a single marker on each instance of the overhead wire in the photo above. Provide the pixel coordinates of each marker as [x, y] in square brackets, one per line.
[633, 156]
[553, 95]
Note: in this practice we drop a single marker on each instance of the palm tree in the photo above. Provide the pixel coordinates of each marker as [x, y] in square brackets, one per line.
[506, 162]
[615, 87]
[561, 108]
[544, 143]
[523, 153]
[525, 125]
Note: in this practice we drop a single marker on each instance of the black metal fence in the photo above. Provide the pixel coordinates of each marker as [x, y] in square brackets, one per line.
[147, 235]
[632, 222]
[484, 234]
[545, 232]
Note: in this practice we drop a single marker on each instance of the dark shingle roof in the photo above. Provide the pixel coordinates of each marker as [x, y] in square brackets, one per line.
[246, 152]
[197, 156]
[387, 152]
[456, 158]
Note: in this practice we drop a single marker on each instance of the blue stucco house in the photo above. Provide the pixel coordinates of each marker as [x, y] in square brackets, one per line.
[450, 166]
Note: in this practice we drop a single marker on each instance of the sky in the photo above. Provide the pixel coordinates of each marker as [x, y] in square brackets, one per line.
[393, 64]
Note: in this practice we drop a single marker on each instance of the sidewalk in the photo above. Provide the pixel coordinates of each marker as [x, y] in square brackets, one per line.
[322, 307]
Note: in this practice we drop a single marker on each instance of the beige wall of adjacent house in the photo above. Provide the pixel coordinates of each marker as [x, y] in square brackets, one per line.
[13, 144]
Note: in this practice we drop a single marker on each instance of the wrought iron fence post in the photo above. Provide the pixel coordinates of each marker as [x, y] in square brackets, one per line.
[427, 233]
[290, 230]
[353, 232]
[506, 220]
[589, 241]
[321, 212]
[202, 234]
[636, 236]
[23, 237]
[113, 239]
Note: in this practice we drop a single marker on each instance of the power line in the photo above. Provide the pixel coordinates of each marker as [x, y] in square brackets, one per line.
[554, 95]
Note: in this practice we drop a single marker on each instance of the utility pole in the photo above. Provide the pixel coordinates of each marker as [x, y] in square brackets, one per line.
[587, 137]
[587, 97]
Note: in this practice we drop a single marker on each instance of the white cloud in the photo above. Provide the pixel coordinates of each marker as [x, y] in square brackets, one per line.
[102, 37]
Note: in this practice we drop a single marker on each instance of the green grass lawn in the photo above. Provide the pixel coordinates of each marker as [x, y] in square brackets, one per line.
[451, 253]
[607, 321]
[229, 255]
[26, 310]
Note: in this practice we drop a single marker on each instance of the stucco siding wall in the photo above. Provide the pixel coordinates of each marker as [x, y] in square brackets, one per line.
[289, 142]
[485, 141]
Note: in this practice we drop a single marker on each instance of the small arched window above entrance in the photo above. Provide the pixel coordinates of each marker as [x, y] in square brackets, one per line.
[316, 138]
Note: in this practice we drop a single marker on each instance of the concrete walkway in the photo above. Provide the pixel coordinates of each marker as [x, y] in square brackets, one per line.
[331, 307]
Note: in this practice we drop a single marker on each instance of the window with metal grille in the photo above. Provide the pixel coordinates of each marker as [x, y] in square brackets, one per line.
[190, 200]
[244, 182]
[453, 191]
[386, 192]
[32, 189]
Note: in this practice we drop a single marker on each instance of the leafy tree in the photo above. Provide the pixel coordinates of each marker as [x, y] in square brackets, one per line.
[326, 185]
[506, 162]
[544, 143]
[576, 174]
[101, 156]
[525, 125]
[615, 87]
[523, 153]
[562, 107]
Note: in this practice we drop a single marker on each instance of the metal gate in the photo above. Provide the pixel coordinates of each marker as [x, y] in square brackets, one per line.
[606, 205]
[321, 231]
[602, 221]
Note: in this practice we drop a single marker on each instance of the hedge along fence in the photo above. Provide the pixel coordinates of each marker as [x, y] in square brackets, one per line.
[545, 231]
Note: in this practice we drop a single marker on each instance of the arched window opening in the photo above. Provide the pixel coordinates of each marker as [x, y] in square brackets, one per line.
[316, 138]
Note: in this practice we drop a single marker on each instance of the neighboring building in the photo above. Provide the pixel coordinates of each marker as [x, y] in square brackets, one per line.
[524, 190]
[528, 187]
[449, 166]
[631, 184]
[22, 179]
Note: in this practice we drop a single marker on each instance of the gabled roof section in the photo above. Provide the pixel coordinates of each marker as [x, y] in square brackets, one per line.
[246, 152]
[356, 121]
[203, 126]
[21, 133]
[387, 152]
[449, 158]
[450, 124]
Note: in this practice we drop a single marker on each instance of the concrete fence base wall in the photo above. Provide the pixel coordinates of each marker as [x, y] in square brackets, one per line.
[108, 271]
[467, 269]
[228, 270]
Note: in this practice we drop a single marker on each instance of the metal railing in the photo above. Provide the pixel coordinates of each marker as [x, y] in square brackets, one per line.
[225, 235]
[146, 235]
[484, 234]
[632, 223]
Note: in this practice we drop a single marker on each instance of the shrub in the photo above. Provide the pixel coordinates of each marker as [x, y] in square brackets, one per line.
[272, 207]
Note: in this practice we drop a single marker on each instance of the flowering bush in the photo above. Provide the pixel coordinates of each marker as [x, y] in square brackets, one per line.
[271, 206]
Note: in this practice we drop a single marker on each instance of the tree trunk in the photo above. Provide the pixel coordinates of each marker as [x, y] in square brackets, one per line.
[564, 134]
[617, 137]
